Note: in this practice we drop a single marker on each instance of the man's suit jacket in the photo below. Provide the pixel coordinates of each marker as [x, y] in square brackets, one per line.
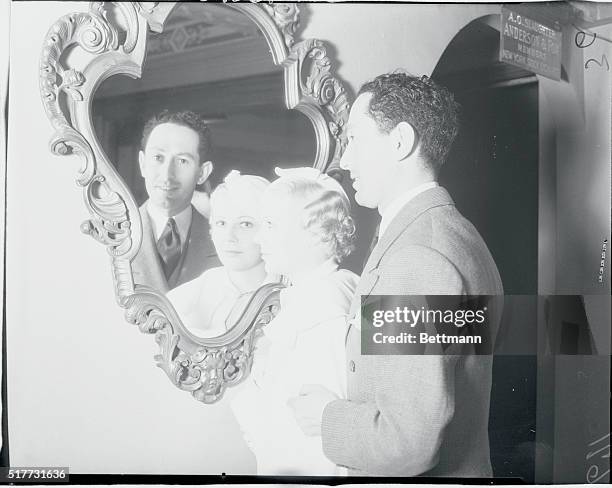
[418, 415]
[197, 256]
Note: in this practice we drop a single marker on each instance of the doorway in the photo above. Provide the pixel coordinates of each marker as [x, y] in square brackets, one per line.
[492, 175]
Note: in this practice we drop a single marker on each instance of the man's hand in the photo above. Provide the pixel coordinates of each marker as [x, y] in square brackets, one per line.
[308, 407]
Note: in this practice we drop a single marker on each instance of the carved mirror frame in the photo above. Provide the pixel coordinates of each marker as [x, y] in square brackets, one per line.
[116, 45]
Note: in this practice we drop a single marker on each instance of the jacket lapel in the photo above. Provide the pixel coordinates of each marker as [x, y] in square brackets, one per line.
[199, 248]
[366, 284]
[200, 233]
[420, 204]
[434, 197]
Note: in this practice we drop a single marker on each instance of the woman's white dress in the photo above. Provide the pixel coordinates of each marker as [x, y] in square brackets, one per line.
[210, 304]
[304, 344]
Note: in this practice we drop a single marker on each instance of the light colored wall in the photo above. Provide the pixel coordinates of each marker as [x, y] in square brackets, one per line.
[575, 176]
[583, 180]
[83, 388]
[369, 39]
[575, 171]
[582, 221]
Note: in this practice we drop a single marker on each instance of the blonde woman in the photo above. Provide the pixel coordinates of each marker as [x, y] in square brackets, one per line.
[211, 304]
[306, 232]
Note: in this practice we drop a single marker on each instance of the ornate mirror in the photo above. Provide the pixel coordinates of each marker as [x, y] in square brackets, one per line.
[108, 78]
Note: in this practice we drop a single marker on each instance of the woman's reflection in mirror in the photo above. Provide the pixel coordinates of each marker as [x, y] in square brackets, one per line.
[211, 304]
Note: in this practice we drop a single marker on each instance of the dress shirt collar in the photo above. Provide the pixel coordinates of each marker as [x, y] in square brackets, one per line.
[159, 220]
[395, 206]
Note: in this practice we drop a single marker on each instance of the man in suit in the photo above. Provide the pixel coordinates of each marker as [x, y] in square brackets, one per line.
[176, 245]
[409, 415]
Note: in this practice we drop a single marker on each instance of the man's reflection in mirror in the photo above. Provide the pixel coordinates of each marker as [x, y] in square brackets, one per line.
[176, 245]
[211, 304]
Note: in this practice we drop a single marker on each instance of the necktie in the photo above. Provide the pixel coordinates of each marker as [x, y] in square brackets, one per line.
[169, 247]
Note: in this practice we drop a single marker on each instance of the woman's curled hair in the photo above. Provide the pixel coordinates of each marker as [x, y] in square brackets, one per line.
[326, 208]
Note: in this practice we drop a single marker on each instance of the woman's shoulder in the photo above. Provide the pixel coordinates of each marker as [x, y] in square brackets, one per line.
[216, 273]
[336, 292]
[211, 278]
[343, 281]
[347, 276]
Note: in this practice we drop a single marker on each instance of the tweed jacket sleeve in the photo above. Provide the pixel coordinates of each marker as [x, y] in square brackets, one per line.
[398, 428]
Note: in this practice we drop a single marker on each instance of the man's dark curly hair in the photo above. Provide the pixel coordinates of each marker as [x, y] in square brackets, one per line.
[185, 118]
[429, 108]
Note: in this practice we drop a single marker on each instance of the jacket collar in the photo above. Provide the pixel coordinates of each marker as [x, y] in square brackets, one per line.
[434, 197]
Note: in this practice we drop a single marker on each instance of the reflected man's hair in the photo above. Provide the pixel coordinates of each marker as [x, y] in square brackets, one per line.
[184, 118]
[428, 107]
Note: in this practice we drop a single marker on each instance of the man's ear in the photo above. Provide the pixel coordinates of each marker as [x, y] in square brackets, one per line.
[141, 162]
[205, 170]
[404, 139]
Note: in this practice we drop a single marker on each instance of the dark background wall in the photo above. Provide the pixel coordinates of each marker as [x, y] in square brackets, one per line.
[492, 174]
[251, 130]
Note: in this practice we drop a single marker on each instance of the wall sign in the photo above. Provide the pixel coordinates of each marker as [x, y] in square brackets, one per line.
[530, 44]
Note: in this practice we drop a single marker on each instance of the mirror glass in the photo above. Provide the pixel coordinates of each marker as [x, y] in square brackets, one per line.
[210, 59]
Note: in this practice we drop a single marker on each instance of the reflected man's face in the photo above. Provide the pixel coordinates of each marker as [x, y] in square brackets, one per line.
[170, 165]
[368, 155]
[234, 222]
[285, 243]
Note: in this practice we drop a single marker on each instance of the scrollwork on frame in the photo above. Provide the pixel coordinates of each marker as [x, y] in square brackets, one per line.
[96, 35]
[204, 367]
[92, 32]
[207, 371]
[110, 224]
[286, 17]
[313, 70]
[155, 13]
